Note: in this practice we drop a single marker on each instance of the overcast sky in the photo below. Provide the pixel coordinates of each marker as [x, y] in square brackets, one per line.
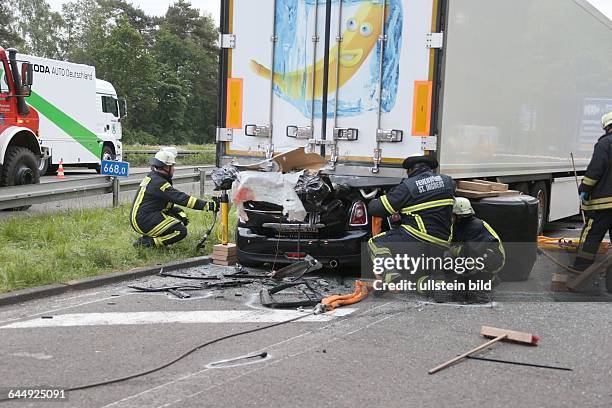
[159, 7]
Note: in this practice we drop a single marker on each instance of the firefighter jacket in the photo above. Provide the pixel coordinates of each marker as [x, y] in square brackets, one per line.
[425, 204]
[155, 201]
[597, 181]
[475, 238]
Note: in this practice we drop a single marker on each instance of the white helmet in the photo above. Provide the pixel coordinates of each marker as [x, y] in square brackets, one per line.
[462, 206]
[165, 157]
[606, 120]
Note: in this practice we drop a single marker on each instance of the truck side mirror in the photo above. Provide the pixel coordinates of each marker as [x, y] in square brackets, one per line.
[122, 108]
[27, 75]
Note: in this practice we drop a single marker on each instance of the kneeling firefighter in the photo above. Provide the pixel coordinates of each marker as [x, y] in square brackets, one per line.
[424, 203]
[154, 214]
[474, 239]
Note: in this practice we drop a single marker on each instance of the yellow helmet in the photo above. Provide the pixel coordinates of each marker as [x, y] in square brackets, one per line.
[606, 120]
[462, 206]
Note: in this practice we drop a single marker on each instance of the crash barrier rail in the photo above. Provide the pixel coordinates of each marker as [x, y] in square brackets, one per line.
[18, 196]
[152, 152]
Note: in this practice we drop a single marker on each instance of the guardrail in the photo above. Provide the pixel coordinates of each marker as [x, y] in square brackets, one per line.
[152, 152]
[18, 196]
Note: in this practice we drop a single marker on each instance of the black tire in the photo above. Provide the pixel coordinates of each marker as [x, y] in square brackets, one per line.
[540, 191]
[108, 153]
[609, 279]
[20, 168]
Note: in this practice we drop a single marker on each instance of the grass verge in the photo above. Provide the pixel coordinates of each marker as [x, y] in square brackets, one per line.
[60, 247]
[206, 155]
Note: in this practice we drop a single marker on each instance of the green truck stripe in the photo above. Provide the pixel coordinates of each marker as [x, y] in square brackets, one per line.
[74, 129]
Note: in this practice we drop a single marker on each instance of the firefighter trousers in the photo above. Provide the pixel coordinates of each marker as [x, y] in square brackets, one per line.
[167, 231]
[598, 223]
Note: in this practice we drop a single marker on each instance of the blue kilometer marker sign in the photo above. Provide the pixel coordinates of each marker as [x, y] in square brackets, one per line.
[114, 168]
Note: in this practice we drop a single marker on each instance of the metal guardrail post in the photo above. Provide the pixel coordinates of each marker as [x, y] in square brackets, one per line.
[116, 189]
[202, 182]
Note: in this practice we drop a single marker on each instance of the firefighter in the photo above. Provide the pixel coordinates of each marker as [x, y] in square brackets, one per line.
[423, 203]
[596, 198]
[475, 239]
[154, 214]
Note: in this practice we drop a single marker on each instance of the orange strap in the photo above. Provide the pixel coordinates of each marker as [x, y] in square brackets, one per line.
[362, 289]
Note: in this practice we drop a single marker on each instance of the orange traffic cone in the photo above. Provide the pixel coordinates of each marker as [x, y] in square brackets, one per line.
[60, 170]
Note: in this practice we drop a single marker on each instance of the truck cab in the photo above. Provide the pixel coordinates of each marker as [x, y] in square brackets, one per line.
[19, 123]
[110, 110]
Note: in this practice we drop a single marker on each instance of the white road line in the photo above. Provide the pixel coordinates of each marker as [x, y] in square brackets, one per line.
[161, 317]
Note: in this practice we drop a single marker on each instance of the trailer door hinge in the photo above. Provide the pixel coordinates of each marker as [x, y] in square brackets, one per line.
[258, 130]
[434, 40]
[228, 40]
[429, 143]
[225, 135]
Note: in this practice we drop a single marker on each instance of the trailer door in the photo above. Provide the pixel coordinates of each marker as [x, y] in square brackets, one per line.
[275, 65]
[365, 103]
[383, 89]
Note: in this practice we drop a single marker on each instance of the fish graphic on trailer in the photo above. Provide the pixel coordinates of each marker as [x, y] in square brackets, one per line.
[359, 38]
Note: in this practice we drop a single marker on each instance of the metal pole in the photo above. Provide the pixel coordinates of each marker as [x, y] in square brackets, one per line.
[115, 192]
[202, 182]
[224, 218]
[328, 7]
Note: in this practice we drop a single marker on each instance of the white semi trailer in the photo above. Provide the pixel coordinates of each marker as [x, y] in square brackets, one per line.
[505, 90]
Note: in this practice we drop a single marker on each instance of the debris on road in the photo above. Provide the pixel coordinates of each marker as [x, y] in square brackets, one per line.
[497, 335]
[298, 269]
[305, 295]
[362, 290]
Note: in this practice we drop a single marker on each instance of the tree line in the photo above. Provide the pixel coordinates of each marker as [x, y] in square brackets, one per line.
[166, 67]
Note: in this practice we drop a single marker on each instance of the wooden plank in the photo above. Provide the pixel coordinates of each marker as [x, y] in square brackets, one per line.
[599, 266]
[223, 257]
[559, 282]
[494, 186]
[475, 194]
[228, 247]
[232, 252]
[470, 185]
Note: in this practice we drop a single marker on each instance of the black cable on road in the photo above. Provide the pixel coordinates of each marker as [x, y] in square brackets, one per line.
[182, 356]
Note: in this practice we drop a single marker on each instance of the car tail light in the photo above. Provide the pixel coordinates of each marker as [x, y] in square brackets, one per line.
[295, 255]
[359, 215]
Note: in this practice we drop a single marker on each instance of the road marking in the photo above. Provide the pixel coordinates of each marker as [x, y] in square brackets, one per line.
[198, 316]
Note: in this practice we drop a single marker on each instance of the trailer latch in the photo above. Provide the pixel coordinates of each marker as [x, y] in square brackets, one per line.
[257, 130]
[389, 135]
[299, 132]
[346, 134]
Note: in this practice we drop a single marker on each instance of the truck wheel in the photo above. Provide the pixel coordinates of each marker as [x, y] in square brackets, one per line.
[539, 191]
[20, 167]
[107, 154]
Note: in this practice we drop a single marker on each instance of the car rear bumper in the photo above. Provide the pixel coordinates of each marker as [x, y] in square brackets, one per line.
[257, 249]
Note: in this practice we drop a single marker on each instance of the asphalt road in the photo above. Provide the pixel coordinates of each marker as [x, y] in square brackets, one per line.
[374, 354]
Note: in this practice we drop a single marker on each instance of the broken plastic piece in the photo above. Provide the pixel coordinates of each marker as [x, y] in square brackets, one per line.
[310, 296]
[298, 269]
